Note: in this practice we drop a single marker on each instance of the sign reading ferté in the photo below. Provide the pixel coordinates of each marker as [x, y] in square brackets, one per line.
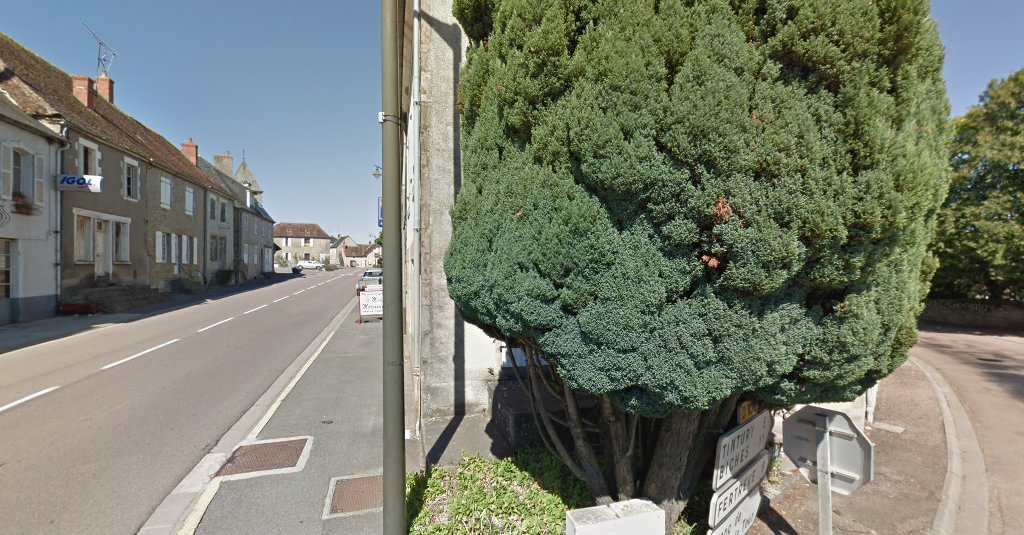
[90, 183]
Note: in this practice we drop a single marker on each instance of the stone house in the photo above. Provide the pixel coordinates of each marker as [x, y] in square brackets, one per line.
[361, 255]
[29, 224]
[103, 233]
[337, 254]
[253, 227]
[302, 241]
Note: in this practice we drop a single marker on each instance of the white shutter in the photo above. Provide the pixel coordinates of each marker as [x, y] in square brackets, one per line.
[174, 248]
[6, 171]
[124, 178]
[40, 192]
[159, 247]
[195, 251]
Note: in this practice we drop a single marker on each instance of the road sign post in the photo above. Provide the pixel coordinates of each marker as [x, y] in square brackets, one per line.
[741, 462]
[831, 451]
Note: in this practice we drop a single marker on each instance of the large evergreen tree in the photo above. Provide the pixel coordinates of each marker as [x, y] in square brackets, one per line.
[980, 242]
[680, 202]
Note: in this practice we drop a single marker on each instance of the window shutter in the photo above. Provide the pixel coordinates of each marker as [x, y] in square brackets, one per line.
[6, 171]
[124, 178]
[174, 248]
[40, 192]
[159, 247]
[195, 251]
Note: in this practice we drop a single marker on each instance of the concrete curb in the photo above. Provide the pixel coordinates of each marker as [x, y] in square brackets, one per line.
[186, 504]
[965, 465]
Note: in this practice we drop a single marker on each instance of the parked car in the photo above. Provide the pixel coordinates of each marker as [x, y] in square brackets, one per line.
[370, 276]
[309, 264]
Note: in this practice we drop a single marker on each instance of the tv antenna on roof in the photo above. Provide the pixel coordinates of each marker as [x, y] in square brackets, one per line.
[104, 54]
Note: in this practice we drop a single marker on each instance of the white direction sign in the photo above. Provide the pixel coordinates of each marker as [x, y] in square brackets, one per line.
[739, 446]
[730, 496]
[742, 518]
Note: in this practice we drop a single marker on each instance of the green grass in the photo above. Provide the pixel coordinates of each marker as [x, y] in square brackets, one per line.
[528, 494]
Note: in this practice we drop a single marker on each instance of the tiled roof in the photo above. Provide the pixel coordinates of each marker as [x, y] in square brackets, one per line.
[298, 230]
[359, 251]
[44, 91]
[13, 114]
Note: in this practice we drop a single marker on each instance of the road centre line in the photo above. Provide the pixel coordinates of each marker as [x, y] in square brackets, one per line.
[254, 310]
[29, 397]
[298, 292]
[122, 361]
[282, 299]
[208, 327]
[311, 287]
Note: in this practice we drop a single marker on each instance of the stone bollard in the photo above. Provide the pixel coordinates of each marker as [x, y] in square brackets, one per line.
[635, 517]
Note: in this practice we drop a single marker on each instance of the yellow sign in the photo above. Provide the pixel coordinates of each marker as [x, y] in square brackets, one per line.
[747, 410]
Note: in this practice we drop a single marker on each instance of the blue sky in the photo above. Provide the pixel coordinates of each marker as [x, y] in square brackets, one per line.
[296, 85]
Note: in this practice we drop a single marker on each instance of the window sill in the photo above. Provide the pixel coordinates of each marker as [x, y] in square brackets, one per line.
[127, 198]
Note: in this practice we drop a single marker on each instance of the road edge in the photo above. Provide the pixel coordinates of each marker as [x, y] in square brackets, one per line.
[193, 494]
[962, 449]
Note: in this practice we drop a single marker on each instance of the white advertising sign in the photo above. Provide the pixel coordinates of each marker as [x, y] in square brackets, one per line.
[742, 518]
[91, 183]
[371, 303]
[725, 500]
[739, 446]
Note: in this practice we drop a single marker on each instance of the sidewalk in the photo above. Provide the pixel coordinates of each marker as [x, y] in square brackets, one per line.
[910, 470]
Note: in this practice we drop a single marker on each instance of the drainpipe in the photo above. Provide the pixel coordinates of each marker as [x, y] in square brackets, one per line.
[58, 208]
[413, 189]
[206, 235]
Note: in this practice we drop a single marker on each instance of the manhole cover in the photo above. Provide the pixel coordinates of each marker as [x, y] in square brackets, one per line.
[357, 494]
[264, 456]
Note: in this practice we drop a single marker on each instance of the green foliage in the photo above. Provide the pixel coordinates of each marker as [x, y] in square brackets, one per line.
[980, 241]
[679, 200]
[528, 494]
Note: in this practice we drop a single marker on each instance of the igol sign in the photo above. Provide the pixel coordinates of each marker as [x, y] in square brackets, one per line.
[93, 183]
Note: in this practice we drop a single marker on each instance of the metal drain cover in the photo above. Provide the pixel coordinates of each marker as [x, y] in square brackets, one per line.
[357, 494]
[263, 457]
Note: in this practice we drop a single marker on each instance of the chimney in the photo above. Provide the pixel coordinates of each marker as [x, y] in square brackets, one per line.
[105, 87]
[225, 164]
[191, 151]
[84, 89]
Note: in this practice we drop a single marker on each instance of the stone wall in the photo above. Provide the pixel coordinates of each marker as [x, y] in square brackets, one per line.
[976, 313]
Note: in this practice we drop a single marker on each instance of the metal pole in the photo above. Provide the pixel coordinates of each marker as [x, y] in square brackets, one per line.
[824, 472]
[394, 393]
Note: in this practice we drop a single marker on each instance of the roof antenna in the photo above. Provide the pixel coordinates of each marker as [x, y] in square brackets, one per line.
[104, 54]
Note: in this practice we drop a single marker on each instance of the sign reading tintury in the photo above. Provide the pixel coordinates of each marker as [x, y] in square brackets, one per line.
[739, 446]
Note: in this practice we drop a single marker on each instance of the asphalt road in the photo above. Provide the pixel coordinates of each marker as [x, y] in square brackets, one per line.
[987, 374]
[96, 429]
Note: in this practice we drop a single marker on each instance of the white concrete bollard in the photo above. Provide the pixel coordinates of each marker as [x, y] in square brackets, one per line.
[635, 517]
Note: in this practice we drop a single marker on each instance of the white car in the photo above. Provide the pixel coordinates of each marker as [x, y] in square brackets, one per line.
[309, 264]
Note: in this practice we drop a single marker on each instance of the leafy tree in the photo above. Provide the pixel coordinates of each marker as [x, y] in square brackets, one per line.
[681, 202]
[980, 241]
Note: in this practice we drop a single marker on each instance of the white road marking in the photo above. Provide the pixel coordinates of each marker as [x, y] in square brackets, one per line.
[122, 361]
[282, 299]
[311, 287]
[298, 292]
[208, 327]
[27, 398]
[254, 310]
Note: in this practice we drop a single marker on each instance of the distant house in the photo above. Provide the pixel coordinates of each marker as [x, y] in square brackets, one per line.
[302, 241]
[361, 255]
[29, 224]
[337, 254]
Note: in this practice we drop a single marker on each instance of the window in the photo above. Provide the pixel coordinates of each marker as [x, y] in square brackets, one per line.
[165, 192]
[223, 212]
[305, 242]
[84, 236]
[131, 179]
[213, 249]
[89, 155]
[287, 242]
[305, 256]
[213, 209]
[222, 244]
[190, 201]
[5, 269]
[163, 247]
[22, 174]
[121, 235]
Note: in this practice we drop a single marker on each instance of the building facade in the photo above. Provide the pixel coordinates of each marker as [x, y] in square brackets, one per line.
[301, 241]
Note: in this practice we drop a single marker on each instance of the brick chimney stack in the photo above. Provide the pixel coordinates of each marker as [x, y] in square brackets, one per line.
[191, 151]
[84, 88]
[225, 163]
[105, 87]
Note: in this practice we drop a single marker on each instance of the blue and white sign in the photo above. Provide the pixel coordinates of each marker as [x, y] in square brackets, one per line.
[380, 212]
[90, 183]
